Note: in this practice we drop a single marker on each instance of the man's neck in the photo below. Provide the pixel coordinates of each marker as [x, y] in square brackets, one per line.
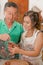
[9, 23]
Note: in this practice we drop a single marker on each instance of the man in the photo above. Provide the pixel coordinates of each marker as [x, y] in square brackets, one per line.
[10, 29]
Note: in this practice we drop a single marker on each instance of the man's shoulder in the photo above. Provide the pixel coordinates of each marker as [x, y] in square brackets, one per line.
[17, 23]
[1, 21]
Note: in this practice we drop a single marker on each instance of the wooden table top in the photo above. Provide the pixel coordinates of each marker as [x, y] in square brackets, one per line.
[16, 62]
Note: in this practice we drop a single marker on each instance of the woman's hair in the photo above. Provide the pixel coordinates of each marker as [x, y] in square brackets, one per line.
[10, 4]
[34, 16]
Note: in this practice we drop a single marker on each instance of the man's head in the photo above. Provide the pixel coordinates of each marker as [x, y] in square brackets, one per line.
[36, 9]
[10, 11]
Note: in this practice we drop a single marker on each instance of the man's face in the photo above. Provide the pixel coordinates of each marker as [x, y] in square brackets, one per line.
[10, 14]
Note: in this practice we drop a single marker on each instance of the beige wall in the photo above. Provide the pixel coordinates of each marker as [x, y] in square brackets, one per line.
[2, 3]
[38, 3]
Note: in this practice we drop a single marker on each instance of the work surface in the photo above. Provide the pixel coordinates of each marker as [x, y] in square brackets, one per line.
[13, 62]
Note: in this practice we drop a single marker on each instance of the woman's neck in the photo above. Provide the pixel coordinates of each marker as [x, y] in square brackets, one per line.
[29, 33]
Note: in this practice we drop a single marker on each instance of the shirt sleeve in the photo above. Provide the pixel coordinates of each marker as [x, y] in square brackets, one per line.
[0, 25]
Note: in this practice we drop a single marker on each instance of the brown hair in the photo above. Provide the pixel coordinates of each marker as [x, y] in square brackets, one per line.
[34, 16]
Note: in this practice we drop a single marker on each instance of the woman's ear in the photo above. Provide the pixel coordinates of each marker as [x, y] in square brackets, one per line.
[34, 23]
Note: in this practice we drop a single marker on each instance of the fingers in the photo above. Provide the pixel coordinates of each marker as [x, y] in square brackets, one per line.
[8, 37]
[12, 51]
[13, 45]
[4, 37]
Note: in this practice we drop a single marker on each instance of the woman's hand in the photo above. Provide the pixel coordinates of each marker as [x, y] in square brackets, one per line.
[4, 37]
[14, 50]
[12, 45]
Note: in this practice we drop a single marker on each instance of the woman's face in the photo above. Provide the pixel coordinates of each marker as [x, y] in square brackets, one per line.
[10, 14]
[27, 23]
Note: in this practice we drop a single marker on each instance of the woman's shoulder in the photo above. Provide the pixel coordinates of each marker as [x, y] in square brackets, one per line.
[39, 32]
[39, 35]
[39, 39]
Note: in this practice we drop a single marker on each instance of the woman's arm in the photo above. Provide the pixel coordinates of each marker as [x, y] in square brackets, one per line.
[37, 47]
[35, 52]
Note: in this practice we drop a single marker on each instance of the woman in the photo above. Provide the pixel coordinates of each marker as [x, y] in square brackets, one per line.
[31, 40]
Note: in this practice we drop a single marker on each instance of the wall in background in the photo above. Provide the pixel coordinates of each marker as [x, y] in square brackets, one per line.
[2, 3]
[38, 3]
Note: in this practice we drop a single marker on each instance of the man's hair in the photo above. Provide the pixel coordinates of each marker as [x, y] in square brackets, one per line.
[10, 4]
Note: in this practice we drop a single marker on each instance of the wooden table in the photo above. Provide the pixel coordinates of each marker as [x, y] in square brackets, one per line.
[16, 62]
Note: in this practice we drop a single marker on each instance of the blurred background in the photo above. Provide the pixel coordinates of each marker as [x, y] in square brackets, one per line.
[24, 5]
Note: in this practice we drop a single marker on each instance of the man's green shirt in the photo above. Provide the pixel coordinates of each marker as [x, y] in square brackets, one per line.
[14, 32]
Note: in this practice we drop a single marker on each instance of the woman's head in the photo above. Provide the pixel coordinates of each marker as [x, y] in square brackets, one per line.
[10, 11]
[31, 20]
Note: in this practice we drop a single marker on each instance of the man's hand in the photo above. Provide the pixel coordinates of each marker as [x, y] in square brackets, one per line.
[4, 37]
